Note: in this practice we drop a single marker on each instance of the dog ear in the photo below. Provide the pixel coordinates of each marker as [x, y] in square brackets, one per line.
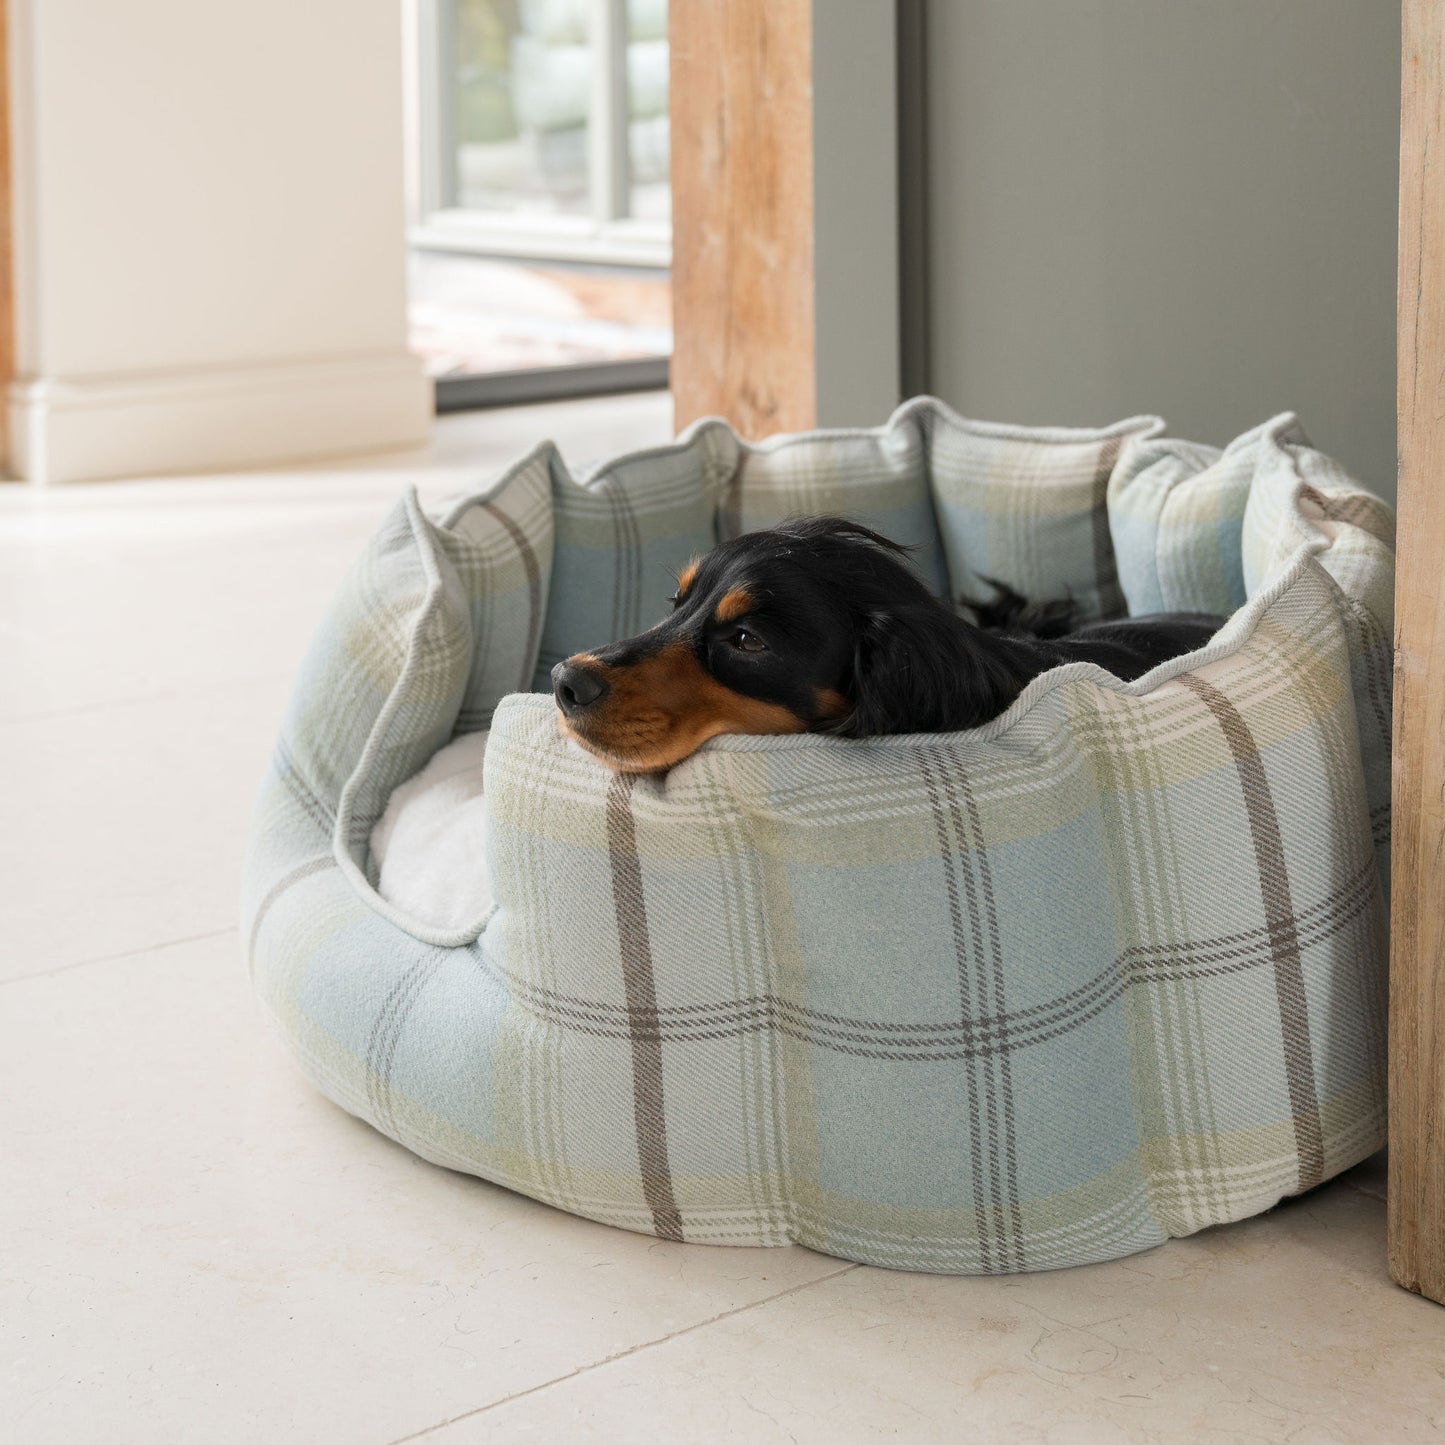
[896, 675]
[917, 670]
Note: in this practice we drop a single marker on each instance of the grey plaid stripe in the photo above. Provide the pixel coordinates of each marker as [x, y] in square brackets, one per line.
[288, 772]
[282, 885]
[1111, 595]
[980, 978]
[386, 1031]
[533, 569]
[729, 516]
[975, 1036]
[1283, 935]
[1008, 1221]
[637, 979]
[628, 587]
[983, 1190]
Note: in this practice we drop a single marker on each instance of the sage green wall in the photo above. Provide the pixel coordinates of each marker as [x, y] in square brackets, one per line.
[1176, 206]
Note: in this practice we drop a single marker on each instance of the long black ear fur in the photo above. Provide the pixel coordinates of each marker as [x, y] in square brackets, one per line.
[919, 669]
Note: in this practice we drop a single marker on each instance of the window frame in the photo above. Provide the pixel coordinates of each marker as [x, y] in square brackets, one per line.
[607, 236]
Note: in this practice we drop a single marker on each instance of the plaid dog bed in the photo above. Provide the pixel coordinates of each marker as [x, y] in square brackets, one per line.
[1106, 970]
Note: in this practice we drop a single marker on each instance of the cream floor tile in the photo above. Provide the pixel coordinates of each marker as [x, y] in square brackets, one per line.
[194, 1246]
[152, 620]
[1284, 1328]
[124, 825]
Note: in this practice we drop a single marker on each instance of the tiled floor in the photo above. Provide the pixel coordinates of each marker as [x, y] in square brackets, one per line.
[195, 1247]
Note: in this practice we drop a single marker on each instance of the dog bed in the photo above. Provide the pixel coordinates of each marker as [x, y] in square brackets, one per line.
[1107, 970]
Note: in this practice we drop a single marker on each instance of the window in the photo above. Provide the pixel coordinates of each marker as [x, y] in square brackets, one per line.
[541, 205]
[543, 129]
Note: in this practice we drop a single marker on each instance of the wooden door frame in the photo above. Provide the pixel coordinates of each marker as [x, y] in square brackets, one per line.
[1417, 927]
[785, 207]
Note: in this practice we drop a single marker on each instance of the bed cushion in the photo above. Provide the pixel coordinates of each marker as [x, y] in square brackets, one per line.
[1027, 505]
[1106, 970]
[624, 530]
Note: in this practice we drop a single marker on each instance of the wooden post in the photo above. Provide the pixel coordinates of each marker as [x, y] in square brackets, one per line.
[784, 212]
[742, 212]
[1417, 961]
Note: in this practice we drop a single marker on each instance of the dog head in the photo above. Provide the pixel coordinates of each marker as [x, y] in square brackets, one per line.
[818, 625]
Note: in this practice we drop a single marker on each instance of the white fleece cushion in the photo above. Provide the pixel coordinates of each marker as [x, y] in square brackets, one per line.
[430, 846]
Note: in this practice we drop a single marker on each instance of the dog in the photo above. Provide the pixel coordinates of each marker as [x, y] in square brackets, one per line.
[821, 626]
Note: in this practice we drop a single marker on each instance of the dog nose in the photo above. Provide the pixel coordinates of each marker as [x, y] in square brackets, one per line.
[576, 688]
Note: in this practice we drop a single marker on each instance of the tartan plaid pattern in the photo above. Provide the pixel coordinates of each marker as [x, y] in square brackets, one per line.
[880, 478]
[1106, 970]
[501, 545]
[623, 533]
[1175, 514]
[1027, 505]
[1024, 505]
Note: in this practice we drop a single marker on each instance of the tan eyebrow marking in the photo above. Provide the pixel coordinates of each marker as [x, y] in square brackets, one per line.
[685, 578]
[734, 604]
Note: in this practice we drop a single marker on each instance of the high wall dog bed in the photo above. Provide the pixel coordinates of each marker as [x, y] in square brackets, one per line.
[1106, 970]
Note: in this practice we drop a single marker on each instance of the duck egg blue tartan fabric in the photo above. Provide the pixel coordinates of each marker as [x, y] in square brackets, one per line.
[624, 532]
[1025, 506]
[879, 478]
[501, 546]
[1107, 970]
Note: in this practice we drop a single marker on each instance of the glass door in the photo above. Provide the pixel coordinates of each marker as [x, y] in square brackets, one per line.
[540, 234]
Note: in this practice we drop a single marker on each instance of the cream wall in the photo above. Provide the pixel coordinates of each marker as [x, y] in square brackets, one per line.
[209, 234]
[1176, 206]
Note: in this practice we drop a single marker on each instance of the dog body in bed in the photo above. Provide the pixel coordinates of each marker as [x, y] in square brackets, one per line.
[821, 626]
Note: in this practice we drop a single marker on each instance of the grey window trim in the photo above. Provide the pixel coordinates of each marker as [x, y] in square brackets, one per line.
[550, 383]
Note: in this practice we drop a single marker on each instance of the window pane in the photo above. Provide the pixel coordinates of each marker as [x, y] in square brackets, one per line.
[647, 136]
[523, 76]
[550, 120]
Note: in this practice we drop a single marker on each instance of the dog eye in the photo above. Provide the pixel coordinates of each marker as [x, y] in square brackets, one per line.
[676, 600]
[746, 641]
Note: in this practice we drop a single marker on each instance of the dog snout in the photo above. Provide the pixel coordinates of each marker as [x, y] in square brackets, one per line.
[576, 687]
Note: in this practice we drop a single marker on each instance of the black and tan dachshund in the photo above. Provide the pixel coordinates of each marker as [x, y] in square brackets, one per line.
[821, 626]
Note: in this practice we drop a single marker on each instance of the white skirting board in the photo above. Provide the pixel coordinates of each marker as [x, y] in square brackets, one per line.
[206, 418]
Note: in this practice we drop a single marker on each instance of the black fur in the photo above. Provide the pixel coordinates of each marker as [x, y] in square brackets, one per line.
[843, 634]
[1008, 612]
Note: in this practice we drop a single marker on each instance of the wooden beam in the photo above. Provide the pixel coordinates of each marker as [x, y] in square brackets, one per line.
[785, 212]
[742, 213]
[1417, 961]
